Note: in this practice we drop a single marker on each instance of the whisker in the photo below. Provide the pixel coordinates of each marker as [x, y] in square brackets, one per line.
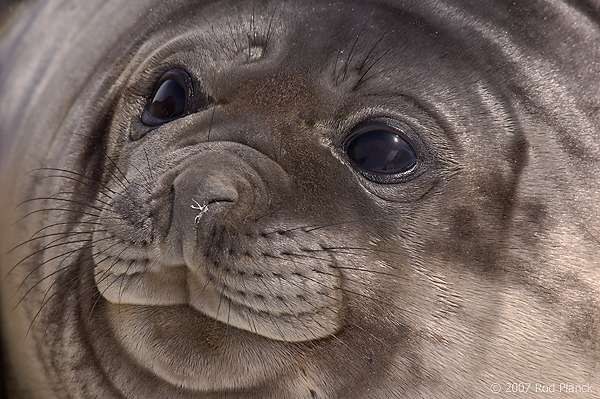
[106, 272]
[289, 309]
[325, 226]
[380, 273]
[131, 263]
[148, 185]
[354, 250]
[74, 179]
[68, 254]
[363, 78]
[270, 28]
[149, 167]
[355, 293]
[251, 31]
[29, 290]
[34, 238]
[61, 200]
[210, 124]
[68, 292]
[373, 316]
[368, 57]
[63, 236]
[52, 210]
[353, 50]
[70, 193]
[117, 167]
[47, 298]
[39, 251]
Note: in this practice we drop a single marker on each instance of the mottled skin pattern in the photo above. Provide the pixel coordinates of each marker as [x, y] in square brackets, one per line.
[236, 252]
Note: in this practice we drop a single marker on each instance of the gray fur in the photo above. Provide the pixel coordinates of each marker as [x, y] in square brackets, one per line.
[236, 252]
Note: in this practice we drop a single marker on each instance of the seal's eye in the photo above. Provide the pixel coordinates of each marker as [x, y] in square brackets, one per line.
[380, 151]
[170, 99]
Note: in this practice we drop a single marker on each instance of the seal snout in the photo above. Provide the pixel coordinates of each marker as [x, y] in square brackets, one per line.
[219, 190]
[205, 192]
[225, 206]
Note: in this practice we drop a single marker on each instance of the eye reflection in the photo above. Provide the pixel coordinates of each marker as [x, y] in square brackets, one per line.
[379, 150]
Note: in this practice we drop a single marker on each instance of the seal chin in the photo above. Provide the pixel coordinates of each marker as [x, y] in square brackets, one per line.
[187, 349]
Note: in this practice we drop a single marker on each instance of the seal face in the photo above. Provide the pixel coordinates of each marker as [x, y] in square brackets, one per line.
[299, 199]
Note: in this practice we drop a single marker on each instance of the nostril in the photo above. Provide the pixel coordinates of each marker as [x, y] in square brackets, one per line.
[214, 193]
[205, 187]
[205, 195]
[213, 188]
[203, 207]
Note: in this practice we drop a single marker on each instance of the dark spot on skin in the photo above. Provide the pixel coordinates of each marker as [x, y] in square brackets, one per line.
[534, 222]
[464, 223]
[477, 231]
[518, 153]
[471, 244]
[576, 147]
[476, 245]
[501, 188]
[535, 212]
[584, 325]
[500, 191]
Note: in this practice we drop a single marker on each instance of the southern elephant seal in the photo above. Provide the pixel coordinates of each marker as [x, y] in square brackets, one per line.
[300, 199]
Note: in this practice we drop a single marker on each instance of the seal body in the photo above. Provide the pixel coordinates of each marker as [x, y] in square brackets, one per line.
[300, 199]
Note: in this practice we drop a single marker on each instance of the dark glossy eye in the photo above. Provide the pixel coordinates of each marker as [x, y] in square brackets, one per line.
[379, 150]
[170, 99]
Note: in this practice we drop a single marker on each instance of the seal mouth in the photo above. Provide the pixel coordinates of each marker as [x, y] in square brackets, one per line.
[142, 282]
[276, 297]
